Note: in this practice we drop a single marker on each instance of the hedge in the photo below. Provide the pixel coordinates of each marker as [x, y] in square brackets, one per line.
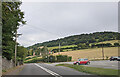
[58, 58]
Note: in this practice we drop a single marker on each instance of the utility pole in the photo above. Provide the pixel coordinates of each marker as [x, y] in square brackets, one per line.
[102, 51]
[15, 46]
[16, 36]
[59, 49]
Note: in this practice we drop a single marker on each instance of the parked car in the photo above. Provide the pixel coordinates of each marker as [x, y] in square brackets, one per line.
[81, 61]
[118, 58]
[115, 58]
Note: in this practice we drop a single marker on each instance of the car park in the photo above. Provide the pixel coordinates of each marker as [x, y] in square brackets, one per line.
[82, 61]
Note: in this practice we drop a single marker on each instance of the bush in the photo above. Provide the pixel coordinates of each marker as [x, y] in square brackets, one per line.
[58, 58]
[116, 44]
[35, 60]
[69, 58]
[51, 58]
[61, 58]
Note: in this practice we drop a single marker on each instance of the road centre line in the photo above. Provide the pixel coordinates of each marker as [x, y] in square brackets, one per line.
[49, 71]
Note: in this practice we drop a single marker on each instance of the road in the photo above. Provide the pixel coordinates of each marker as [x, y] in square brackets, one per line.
[49, 70]
[101, 64]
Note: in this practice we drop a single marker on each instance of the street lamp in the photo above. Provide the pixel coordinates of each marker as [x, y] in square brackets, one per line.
[16, 36]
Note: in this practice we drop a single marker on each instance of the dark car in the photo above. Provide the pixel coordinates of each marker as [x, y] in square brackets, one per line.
[115, 58]
[81, 61]
[118, 58]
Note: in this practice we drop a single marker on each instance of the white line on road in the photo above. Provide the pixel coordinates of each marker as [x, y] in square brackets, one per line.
[49, 71]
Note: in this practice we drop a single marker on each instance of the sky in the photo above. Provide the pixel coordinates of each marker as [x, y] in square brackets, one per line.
[52, 20]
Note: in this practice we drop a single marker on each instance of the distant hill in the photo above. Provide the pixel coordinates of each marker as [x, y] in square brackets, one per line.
[82, 38]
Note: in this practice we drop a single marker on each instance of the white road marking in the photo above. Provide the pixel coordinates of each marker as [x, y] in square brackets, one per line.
[49, 71]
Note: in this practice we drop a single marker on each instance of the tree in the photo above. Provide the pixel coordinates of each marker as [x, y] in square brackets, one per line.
[82, 46]
[81, 39]
[12, 18]
[21, 53]
[108, 44]
[116, 44]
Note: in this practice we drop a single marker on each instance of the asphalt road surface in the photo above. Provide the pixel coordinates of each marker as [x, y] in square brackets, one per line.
[101, 64]
[49, 70]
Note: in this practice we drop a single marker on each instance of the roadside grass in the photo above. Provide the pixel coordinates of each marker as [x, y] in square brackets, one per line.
[49, 63]
[93, 70]
[4, 72]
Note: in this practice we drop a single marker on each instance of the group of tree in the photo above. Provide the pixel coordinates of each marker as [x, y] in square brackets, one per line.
[82, 39]
[39, 51]
[12, 18]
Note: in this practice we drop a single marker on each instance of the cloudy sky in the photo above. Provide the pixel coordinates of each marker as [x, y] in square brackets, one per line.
[52, 20]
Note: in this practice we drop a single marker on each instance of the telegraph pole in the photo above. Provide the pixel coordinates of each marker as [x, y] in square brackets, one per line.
[59, 49]
[102, 51]
[16, 36]
[15, 46]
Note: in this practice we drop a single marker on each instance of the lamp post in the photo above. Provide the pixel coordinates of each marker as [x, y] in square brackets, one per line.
[16, 36]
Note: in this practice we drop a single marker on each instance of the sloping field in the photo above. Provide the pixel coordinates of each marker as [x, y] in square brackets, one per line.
[95, 53]
[112, 42]
[50, 48]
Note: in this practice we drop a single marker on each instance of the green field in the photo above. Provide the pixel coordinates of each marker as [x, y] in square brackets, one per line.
[56, 47]
[112, 42]
[50, 48]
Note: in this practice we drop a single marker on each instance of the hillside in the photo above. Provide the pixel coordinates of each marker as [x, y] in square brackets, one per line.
[95, 53]
[79, 39]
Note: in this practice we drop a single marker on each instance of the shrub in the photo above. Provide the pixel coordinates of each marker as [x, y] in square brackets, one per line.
[35, 60]
[58, 58]
[61, 58]
[69, 58]
[116, 44]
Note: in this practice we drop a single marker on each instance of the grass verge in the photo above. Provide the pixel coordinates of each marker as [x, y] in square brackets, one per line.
[13, 71]
[93, 70]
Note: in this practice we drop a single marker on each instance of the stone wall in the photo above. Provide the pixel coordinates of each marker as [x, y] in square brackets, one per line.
[0, 66]
[7, 64]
